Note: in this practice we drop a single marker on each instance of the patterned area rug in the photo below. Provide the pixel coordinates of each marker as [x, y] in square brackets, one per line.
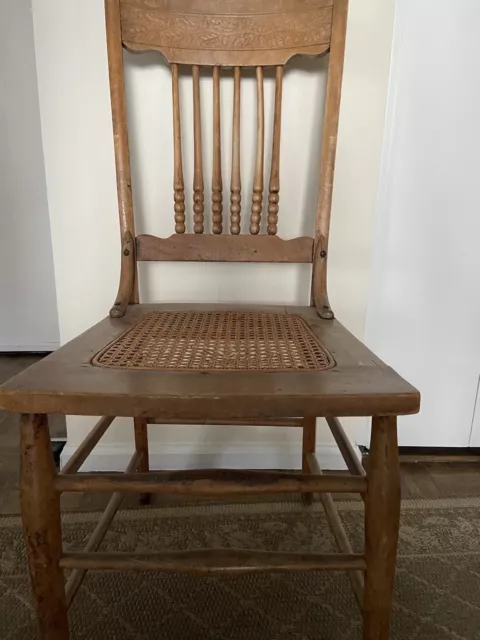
[437, 592]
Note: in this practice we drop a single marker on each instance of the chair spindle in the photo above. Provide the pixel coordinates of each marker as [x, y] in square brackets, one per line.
[257, 196]
[198, 187]
[236, 185]
[217, 185]
[274, 186]
[178, 184]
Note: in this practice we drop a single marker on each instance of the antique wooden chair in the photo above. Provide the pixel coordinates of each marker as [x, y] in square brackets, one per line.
[214, 364]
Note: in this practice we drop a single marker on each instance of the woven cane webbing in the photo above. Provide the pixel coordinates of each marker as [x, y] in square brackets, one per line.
[219, 341]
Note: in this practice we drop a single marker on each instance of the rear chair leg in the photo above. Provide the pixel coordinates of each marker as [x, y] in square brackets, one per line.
[308, 446]
[141, 445]
[382, 518]
[40, 505]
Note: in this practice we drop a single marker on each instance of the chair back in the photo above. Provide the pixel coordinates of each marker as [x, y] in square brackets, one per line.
[218, 34]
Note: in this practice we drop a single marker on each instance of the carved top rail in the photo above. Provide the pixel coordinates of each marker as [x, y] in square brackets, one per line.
[230, 32]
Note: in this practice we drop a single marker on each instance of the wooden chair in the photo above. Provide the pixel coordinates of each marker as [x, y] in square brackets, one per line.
[210, 364]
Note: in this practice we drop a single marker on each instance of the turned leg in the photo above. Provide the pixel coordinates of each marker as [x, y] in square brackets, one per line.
[141, 445]
[309, 440]
[382, 518]
[40, 506]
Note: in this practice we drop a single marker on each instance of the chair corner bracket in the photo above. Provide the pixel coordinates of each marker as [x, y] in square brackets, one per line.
[127, 277]
[319, 296]
[118, 310]
[322, 305]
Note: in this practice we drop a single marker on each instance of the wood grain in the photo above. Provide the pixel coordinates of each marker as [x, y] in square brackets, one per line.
[126, 287]
[257, 195]
[208, 248]
[120, 135]
[236, 183]
[382, 520]
[198, 185]
[217, 184]
[230, 7]
[178, 184]
[40, 506]
[204, 57]
[214, 561]
[327, 161]
[211, 483]
[204, 33]
[274, 186]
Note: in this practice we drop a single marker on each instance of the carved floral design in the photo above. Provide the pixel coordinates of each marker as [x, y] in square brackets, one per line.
[196, 31]
[229, 7]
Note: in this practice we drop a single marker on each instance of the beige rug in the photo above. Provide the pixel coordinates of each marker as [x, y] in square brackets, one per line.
[437, 594]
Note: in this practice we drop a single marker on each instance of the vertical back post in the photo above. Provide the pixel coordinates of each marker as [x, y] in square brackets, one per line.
[327, 162]
[128, 288]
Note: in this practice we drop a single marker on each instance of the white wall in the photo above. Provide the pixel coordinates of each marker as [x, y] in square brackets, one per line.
[424, 311]
[73, 86]
[28, 320]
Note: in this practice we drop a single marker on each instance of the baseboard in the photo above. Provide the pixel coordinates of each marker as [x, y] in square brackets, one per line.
[439, 454]
[38, 347]
[192, 456]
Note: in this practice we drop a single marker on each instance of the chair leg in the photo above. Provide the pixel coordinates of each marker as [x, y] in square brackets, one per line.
[309, 440]
[382, 518]
[141, 445]
[40, 505]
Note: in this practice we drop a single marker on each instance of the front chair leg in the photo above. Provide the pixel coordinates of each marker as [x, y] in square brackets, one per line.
[141, 445]
[382, 518]
[40, 505]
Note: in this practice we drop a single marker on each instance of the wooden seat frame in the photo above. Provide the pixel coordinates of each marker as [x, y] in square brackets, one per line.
[359, 385]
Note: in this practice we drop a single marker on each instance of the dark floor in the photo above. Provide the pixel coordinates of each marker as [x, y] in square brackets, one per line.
[419, 479]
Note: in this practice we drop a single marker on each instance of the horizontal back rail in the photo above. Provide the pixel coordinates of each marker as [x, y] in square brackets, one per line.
[224, 248]
[231, 32]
